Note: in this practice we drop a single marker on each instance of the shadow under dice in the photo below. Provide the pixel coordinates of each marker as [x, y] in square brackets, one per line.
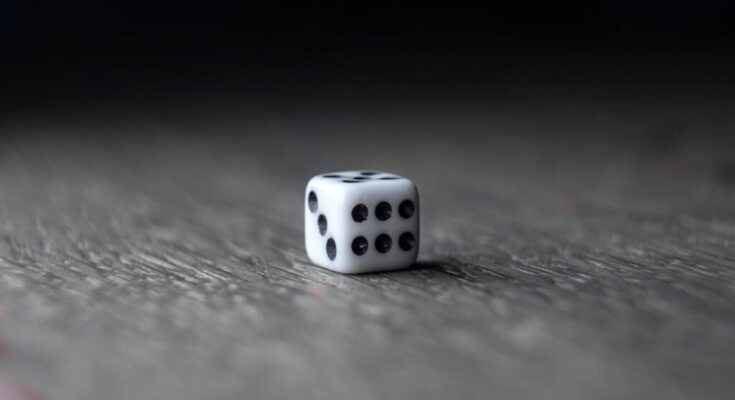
[361, 221]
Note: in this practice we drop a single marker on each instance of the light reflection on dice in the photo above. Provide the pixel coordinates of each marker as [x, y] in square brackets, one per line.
[361, 221]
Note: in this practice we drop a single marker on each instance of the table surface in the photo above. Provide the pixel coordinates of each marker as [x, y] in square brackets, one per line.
[567, 254]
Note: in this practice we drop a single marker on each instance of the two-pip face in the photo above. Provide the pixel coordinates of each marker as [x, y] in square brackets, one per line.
[361, 221]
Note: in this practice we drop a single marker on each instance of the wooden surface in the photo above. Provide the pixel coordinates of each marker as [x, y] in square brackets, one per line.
[569, 255]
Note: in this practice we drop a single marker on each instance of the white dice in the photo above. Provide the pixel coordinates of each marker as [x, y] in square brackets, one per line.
[361, 221]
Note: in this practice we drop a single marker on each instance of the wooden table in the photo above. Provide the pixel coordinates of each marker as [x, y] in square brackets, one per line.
[580, 252]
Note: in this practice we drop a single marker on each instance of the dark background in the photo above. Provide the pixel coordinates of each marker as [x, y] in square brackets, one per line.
[364, 54]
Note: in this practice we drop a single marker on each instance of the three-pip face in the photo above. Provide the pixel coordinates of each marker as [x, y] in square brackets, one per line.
[361, 221]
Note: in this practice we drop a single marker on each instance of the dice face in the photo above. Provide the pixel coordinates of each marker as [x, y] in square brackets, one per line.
[361, 221]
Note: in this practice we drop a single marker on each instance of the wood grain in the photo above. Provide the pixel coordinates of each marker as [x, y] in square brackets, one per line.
[572, 257]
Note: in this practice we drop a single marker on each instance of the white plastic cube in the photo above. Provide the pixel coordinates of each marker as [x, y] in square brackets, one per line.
[361, 221]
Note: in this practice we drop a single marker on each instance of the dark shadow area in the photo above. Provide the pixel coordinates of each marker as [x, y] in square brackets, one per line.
[424, 266]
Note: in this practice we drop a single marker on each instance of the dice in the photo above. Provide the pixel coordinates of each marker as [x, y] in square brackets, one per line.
[361, 221]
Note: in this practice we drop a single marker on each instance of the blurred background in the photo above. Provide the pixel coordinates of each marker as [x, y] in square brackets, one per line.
[638, 57]
[576, 162]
